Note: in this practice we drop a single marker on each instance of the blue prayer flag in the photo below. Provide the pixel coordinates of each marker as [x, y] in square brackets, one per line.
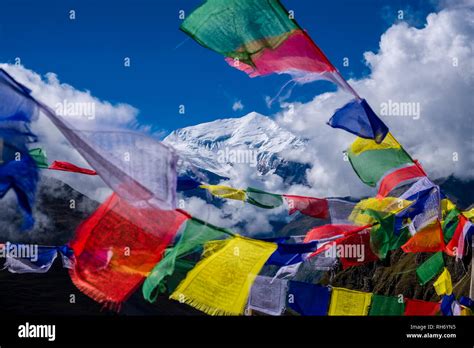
[308, 299]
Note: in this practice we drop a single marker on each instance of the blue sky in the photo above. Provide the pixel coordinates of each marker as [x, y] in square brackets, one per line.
[168, 69]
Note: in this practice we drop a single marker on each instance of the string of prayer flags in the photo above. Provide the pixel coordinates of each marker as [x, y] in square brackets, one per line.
[386, 306]
[194, 235]
[259, 38]
[332, 231]
[69, 167]
[394, 178]
[220, 283]
[388, 205]
[371, 161]
[314, 207]
[268, 295]
[355, 249]
[430, 268]
[222, 191]
[449, 305]
[40, 158]
[428, 240]
[263, 199]
[308, 299]
[443, 285]
[346, 302]
[117, 247]
[358, 118]
[421, 308]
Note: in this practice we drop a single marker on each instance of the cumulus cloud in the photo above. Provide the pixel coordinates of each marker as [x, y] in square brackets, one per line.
[237, 106]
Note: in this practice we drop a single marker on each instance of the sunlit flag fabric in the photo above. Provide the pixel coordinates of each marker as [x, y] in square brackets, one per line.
[421, 308]
[384, 206]
[398, 176]
[268, 296]
[220, 283]
[355, 249]
[346, 302]
[222, 191]
[263, 199]
[358, 118]
[117, 247]
[314, 207]
[427, 240]
[430, 268]
[192, 239]
[18, 170]
[371, 161]
[259, 38]
[308, 299]
[450, 223]
[456, 245]
[443, 285]
[331, 231]
[386, 305]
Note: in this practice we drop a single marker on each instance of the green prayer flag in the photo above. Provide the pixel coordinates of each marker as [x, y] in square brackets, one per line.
[181, 269]
[263, 199]
[194, 235]
[39, 156]
[450, 223]
[239, 28]
[386, 305]
[430, 268]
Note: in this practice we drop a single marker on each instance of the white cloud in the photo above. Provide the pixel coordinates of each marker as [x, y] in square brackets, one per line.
[237, 106]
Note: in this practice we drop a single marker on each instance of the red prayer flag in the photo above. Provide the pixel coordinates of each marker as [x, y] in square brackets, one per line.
[428, 240]
[419, 307]
[330, 231]
[69, 167]
[315, 207]
[396, 177]
[451, 248]
[118, 245]
[355, 249]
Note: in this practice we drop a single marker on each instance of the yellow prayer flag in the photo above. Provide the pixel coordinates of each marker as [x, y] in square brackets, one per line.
[389, 205]
[349, 302]
[225, 192]
[220, 283]
[443, 284]
[466, 311]
[361, 144]
[469, 213]
[446, 206]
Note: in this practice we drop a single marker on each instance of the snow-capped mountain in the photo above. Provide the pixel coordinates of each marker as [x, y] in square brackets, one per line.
[253, 140]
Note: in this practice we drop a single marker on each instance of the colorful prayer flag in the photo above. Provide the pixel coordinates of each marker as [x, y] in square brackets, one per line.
[39, 156]
[421, 308]
[259, 38]
[118, 245]
[371, 161]
[431, 267]
[308, 299]
[386, 305]
[314, 207]
[398, 176]
[349, 302]
[220, 283]
[443, 285]
[268, 295]
[192, 238]
[222, 191]
[290, 253]
[263, 199]
[428, 240]
[358, 118]
[186, 183]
